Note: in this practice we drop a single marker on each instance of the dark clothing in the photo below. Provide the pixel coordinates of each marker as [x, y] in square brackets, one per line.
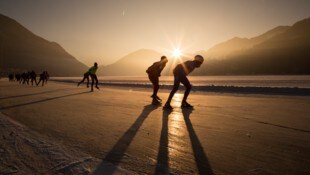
[11, 77]
[47, 76]
[154, 79]
[177, 80]
[85, 77]
[156, 68]
[33, 77]
[42, 78]
[180, 72]
[154, 72]
[94, 78]
[184, 68]
[155, 82]
[25, 77]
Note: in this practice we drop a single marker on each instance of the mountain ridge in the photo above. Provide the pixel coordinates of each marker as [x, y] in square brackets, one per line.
[132, 64]
[236, 44]
[22, 50]
[281, 50]
[287, 52]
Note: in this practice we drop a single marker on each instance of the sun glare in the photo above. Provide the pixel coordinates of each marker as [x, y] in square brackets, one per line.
[177, 53]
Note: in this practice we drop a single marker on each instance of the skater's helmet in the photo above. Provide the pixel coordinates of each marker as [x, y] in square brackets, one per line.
[199, 58]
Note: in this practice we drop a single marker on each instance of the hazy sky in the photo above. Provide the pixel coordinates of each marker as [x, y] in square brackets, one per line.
[106, 30]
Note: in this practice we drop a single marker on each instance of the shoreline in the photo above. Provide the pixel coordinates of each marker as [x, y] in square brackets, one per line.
[247, 90]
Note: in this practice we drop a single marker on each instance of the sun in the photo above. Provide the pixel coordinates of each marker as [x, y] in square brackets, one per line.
[177, 53]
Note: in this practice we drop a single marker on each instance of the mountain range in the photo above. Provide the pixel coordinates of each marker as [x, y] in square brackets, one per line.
[132, 64]
[282, 50]
[21, 50]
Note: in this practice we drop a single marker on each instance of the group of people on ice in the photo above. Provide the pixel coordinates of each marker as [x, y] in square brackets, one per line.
[180, 73]
[30, 77]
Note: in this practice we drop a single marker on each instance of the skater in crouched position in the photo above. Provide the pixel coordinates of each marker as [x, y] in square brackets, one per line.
[154, 72]
[43, 77]
[180, 72]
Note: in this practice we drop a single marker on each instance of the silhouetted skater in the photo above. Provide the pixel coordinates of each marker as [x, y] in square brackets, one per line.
[25, 77]
[11, 77]
[43, 77]
[180, 72]
[47, 77]
[154, 72]
[92, 73]
[17, 77]
[33, 77]
[85, 77]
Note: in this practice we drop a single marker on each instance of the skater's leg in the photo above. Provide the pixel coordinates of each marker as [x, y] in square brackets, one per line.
[92, 82]
[81, 81]
[155, 90]
[39, 82]
[188, 87]
[96, 81]
[87, 78]
[155, 82]
[174, 90]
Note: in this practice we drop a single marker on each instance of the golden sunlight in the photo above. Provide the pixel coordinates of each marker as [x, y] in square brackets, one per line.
[177, 53]
[177, 99]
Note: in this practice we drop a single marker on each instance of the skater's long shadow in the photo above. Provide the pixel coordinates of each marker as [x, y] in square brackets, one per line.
[201, 159]
[38, 93]
[44, 100]
[117, 152]
[199, 154]
[162, 166]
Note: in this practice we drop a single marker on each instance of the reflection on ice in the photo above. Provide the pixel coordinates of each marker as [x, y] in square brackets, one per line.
[179, 142]
[177, 99]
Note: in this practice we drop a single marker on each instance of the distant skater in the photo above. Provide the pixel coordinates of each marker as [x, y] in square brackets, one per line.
[85, 77]
[93, 76]
[180, 72]
[47, 77]
[154, 72]
[33, 77]
[43, 78]
[17, 77]
[25, 77]
[11, 77]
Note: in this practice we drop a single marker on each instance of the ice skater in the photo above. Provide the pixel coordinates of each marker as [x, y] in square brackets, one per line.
[93, 76]
[47, 77]
[33, 77]
[154, 72]
[43, 77]
[180, 72]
